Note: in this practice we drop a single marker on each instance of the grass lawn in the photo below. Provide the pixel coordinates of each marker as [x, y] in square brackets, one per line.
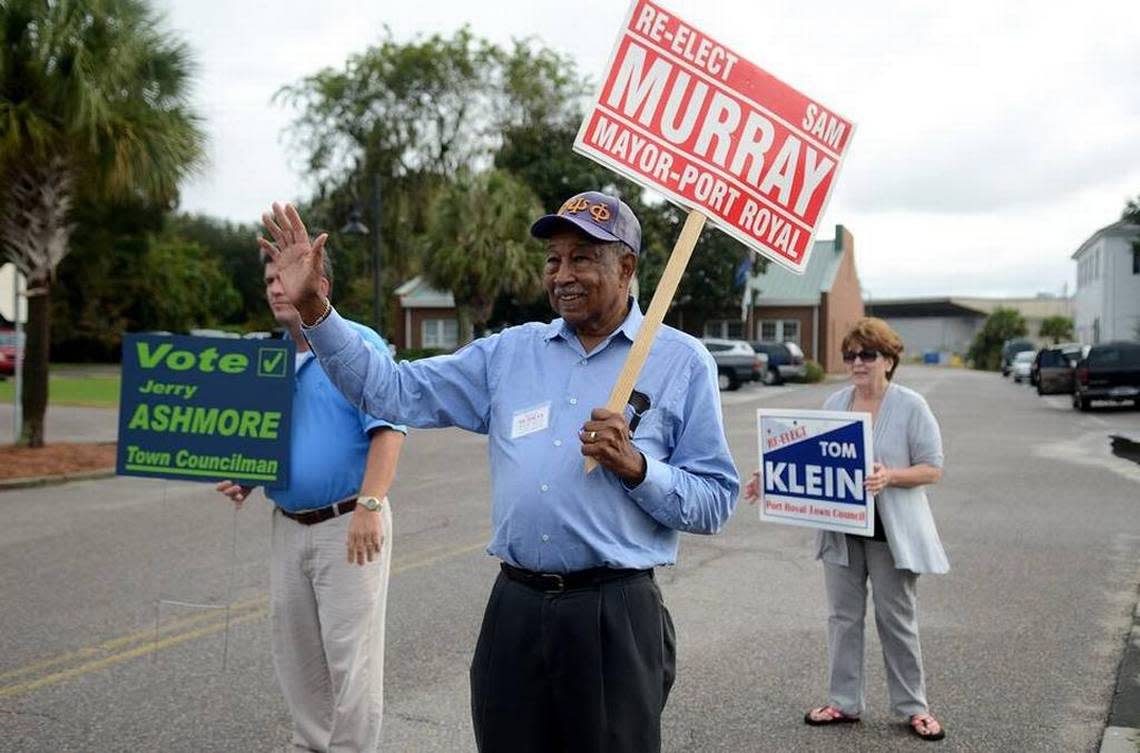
[94, 391]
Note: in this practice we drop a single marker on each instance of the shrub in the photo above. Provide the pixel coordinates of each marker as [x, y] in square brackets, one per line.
[813, 372]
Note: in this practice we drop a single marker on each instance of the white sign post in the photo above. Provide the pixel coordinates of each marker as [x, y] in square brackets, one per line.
[14, 308]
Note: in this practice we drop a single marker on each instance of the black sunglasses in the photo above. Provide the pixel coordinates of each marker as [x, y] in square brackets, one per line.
[866, 356]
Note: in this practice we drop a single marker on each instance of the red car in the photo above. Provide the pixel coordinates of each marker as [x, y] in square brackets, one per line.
[7, 352]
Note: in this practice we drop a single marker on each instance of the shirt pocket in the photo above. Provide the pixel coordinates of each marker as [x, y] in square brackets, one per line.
[653, 433]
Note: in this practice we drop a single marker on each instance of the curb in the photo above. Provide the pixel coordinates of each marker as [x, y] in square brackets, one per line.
[34, 481]
[1122, 731]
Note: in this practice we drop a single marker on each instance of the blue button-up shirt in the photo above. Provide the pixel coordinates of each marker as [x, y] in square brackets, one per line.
[530, 389]
[330, 438]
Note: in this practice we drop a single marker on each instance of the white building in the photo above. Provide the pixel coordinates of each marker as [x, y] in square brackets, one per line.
[1108, 285]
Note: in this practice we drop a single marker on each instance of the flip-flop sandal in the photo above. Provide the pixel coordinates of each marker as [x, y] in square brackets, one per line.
[826, 715]
[924, 722]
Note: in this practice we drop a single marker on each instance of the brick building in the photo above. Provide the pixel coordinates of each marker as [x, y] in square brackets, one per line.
[813, 310]
[425, 318]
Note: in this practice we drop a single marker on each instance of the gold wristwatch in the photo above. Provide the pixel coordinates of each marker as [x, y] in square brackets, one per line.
[371, 503]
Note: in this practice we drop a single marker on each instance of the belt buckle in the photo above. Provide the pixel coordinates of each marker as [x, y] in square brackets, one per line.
[558, 584]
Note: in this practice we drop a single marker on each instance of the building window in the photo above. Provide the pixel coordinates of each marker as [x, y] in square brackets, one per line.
[780, 331]
[440, 333]
[725, 329]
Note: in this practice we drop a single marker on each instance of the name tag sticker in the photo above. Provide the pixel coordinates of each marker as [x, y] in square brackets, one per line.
[530, 420]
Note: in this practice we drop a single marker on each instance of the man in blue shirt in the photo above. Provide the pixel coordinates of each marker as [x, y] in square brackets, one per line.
[576, 651]
[331, 549]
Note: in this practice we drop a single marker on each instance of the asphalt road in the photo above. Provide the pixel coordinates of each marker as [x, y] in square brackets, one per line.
[1021, 639]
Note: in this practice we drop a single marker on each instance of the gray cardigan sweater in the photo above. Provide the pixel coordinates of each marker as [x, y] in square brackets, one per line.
[905, 434]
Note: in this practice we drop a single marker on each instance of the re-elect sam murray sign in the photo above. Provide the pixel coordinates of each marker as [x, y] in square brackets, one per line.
[813, 465]
[203, 408]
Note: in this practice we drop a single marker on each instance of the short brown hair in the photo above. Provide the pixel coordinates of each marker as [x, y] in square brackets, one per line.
[871, 332]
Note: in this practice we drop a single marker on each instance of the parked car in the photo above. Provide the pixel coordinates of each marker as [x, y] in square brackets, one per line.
[1110, 371]
[7, 352]
[1055, 368]
[785, 361]
[1022, 363]
[1010, 350]
[736, 362]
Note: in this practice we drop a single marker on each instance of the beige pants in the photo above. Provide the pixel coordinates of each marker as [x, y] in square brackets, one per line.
[327, 618]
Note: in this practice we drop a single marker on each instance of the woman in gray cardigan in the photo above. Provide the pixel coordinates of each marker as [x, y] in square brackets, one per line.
[908, 457]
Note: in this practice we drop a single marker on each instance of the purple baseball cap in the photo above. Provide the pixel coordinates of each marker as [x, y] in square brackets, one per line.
[602, 217]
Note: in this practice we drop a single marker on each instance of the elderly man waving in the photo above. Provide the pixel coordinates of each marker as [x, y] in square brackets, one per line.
[577, 650]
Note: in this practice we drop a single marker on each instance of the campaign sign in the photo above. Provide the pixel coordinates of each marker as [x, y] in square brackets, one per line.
[682, 114]
[813, 464]
[206, 409]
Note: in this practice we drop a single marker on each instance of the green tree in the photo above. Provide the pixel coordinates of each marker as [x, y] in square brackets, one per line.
[182, 286]
[1001, 325]
[412, 114]
[480, 244]
[93, 100]
[233, 248]
[1056, 327]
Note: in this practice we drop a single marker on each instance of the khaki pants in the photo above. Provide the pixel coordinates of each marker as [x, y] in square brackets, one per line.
[327, 618]
[896, 618]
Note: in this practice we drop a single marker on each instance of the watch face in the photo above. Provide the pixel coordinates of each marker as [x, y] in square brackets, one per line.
[371, 503]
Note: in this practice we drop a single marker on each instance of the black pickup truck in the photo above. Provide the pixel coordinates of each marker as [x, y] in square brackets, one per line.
[1110, 371]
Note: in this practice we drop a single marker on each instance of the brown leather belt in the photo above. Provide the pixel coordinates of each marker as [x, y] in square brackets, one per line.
[557, 582]
[312, 517]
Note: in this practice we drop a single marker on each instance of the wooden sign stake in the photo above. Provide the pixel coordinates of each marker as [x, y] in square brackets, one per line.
[662, 297]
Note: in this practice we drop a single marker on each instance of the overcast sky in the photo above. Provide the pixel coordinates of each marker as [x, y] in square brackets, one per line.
[992, 137]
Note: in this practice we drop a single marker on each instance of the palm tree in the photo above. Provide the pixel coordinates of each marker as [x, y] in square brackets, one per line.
[480, 245]
[93, 102]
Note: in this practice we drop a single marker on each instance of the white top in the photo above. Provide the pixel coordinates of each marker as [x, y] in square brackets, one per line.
[905, 434]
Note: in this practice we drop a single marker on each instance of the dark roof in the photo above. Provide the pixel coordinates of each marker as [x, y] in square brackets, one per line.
[920, 307]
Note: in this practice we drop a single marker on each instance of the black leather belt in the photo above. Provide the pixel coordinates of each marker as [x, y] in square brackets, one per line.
[312, 517]
[557, 582]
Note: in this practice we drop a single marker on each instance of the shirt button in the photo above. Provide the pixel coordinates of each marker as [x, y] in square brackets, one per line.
[545, 537]
[582, 362]
[573, 401]
[545, 488]
[558, 443]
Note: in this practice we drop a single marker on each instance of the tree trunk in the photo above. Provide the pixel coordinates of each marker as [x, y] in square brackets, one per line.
[34, 233]
[35, 397]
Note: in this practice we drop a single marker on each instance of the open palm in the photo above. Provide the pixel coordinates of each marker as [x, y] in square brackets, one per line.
[299, 261]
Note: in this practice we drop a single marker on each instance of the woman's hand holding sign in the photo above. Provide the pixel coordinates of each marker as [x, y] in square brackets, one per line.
[298, 261]
[879, 479]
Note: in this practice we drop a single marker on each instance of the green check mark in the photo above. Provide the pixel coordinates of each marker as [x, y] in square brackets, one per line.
[271, 362]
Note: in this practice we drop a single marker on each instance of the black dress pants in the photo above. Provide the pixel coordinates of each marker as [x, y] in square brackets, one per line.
[584, 670]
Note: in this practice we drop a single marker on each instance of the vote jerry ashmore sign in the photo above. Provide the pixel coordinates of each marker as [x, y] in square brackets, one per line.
[813, 464]
[206, 408]
[683, 114]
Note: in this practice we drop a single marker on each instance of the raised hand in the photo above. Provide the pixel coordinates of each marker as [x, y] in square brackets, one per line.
[299, 262]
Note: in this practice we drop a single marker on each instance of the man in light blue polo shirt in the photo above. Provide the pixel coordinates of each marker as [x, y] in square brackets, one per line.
[576, 652]
[331, 550]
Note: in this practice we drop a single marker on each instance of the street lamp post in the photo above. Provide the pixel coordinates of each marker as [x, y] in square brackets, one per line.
[356, 226]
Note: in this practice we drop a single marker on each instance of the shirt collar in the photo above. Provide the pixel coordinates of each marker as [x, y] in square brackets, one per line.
[629, 326]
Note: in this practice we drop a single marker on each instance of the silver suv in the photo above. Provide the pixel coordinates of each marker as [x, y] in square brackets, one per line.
[736, 362]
